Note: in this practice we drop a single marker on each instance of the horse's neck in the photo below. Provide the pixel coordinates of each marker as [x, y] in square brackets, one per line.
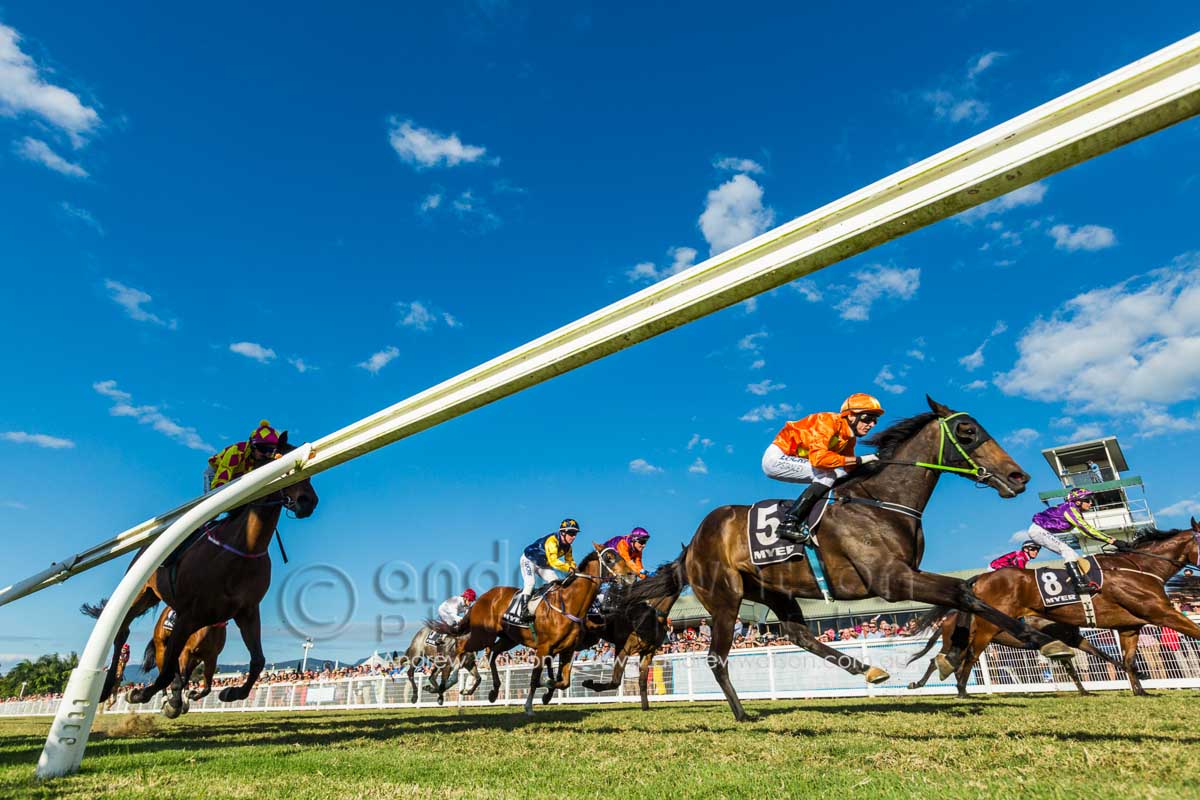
[1174, 549]
[259, 527]
[909, 486]
[582, 590]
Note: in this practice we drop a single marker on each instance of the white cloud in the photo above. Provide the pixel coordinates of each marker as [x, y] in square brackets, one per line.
[699, 441]
[253, 350]
[981, 63]
[734, 213]
[886, 380]
[641, 466]
[424, 148]
[37, 439]
[876, 282]
[750, 304]
[39, 152]
[698, 467]
[952, 107]
[424, 316]
[13, 504]
[750, 342]
[470, 208]
[758, 363]
[24, 91]
[764, 387]
[976, 385]
[1188, 507]
[1086, 237]
[769, 412]
[1019, 536]
[151, 416]
[379, 360]
[1129, 349]
[738, 165]
[431, 202]
[83, 215]
[1026, 196]
[649, 272]
[807, 289]
[301, 365]
[1021, 437]
[974, 360]
[133, 301]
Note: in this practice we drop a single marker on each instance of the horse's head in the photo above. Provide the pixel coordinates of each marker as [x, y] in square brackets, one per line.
[966, 449]
[299, 498]
[1193, 549]
[612, 565]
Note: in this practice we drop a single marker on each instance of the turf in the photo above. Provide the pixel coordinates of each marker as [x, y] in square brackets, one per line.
[1049, 746]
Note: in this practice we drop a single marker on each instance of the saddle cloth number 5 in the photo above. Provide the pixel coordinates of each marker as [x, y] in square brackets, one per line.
[767, 524]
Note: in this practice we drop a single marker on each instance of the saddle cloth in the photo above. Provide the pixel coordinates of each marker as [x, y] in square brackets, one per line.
[762, 525]
[1056, 586]
[535, 600]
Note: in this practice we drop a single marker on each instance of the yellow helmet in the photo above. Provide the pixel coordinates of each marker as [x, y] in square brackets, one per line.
[860, 402]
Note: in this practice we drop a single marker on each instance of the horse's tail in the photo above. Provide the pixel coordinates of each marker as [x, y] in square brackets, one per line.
[94, 611]
[457, 629]
[667, 581]
[928, 646]
[932, 617]
[149, 661]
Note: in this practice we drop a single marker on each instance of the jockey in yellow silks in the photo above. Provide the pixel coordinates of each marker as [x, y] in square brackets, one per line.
[238, 459]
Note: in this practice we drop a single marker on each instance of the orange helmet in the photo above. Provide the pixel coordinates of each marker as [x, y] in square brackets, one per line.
[860, 402]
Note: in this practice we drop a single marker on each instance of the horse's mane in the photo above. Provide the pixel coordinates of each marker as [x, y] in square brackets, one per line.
[886, 443]
[1147, 535]
[589, 558]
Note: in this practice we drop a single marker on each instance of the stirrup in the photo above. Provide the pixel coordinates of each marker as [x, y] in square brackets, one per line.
[802, 535]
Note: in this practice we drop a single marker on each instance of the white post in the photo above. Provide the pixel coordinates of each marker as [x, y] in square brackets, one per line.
[771, 673]
[69, 732]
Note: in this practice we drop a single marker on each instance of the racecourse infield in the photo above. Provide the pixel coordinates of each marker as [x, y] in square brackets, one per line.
[1109, 745]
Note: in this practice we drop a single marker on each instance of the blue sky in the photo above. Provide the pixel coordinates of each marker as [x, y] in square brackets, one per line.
[307, 216]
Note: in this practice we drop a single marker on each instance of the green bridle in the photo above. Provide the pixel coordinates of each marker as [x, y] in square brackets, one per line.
[972, 469]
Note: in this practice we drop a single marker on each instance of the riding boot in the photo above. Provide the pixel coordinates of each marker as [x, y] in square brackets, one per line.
[794, 527]
[1083, 585]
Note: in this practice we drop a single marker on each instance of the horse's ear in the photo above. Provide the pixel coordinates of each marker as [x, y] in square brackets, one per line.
[937, 407]
[598, 547]
[283, 437]
[1195, 525]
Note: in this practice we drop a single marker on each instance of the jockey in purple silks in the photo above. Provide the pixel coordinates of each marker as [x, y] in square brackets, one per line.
[1063, 518]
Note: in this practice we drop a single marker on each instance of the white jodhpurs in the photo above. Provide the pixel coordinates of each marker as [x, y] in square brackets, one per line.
[530, 572]
[795, 469]
[1051, 542]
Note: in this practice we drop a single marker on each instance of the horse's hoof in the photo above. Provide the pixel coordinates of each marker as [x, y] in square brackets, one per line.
[136, 696]
[590, 685]
[171, 711]
[230, 695]
[912, 685]
[547, 697]
[441, 700]
[1056, 650]
[944, 667]
[185, 708]
[876, 675]
[492, 695]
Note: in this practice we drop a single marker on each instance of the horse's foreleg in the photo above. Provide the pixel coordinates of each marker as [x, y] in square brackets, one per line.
[535, 679]
[412, 680]
[723, 599]
[565, 661]
[210, 667]
[471, 665]
[144, 602]
[168, 667]
[614, 680]
[794, 627]
[917, 684]
[644, 678]
[250, 626]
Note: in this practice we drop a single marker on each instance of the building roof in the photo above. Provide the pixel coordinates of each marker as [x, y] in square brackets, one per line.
[1106, 486]
[1079, 453]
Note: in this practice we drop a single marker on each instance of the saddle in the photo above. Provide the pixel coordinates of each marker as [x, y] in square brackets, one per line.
[510, 616]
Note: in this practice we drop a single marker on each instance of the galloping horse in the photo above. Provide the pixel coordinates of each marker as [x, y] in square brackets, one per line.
[871, 544]
[1132, 595]
[219, 576]
[203, 647]
[634, 630]
[1068, 634]
[443, 660]
[557, 627]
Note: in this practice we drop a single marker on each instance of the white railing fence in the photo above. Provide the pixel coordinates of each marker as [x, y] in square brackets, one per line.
[773, 673]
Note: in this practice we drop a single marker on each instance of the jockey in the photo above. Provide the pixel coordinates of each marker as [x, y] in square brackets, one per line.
[1066, 517]
[241, 457]
[1018, 558]
[455, 608]
[818, 450]
[541, 560]
[630, 547]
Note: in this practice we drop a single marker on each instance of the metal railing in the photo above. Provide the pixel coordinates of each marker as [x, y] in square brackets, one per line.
[773, 673]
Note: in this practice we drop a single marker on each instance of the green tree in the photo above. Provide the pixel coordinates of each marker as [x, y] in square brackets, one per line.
[48, 674]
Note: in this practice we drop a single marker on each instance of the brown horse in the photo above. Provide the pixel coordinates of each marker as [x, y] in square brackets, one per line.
[871, 545]
[442, 660]
[638, 630]
[1068, 634]
[557, 627]
[210, 579]
[203, 647]
[1132, 596]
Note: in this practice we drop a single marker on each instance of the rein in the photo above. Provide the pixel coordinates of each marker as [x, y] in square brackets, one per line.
[274, 501]
[594, 578]
[980, 474]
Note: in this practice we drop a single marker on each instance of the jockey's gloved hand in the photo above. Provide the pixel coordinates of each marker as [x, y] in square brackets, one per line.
[867, 459]
[1121, 545]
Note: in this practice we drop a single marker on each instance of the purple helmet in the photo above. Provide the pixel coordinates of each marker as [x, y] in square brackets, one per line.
[1078, 495]
[639, 535]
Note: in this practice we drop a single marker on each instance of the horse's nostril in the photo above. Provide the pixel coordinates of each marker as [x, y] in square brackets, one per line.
[1018, 477]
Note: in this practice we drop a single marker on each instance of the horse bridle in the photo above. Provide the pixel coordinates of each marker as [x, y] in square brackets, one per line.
[594, 578]
[961, 453]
